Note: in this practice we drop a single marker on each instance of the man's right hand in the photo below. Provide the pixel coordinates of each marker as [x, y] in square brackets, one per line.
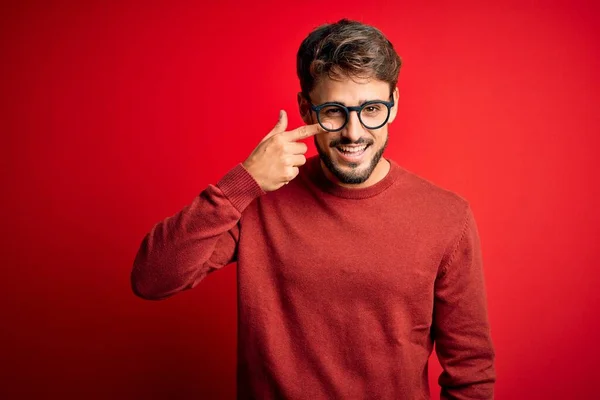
[275, 161]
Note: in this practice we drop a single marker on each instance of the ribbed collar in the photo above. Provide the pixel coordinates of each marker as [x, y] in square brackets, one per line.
[317, 177]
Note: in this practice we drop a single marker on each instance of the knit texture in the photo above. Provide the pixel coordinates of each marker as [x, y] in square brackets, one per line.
[341, 292]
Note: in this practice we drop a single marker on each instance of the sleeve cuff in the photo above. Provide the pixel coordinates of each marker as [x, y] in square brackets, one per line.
[240, 187]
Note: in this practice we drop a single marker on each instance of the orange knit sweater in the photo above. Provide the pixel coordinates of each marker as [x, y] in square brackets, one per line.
[341, 292]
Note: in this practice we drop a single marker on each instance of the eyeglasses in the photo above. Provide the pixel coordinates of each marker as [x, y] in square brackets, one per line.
[372, 114]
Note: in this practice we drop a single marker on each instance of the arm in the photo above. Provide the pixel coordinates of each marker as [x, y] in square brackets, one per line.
[182, 249]
[461, 327]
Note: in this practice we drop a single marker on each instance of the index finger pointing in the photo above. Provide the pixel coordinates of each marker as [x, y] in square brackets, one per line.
[304, 132]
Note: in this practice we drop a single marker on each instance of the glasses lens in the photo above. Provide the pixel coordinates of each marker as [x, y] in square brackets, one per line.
[334, 115]
[373, 115]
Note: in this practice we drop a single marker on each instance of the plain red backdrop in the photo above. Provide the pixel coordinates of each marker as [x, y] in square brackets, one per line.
[114, 116]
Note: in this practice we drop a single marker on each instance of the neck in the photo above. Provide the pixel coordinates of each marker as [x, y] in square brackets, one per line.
[379, 172]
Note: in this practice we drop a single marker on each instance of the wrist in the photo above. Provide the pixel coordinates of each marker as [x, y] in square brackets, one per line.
[250, 170]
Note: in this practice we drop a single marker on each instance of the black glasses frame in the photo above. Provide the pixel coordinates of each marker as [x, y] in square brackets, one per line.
[358, 109]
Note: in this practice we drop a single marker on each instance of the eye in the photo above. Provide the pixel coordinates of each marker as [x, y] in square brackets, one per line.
[332, 111]
[372, 108]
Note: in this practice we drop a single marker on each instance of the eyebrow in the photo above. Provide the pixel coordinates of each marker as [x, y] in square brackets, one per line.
[360, 102]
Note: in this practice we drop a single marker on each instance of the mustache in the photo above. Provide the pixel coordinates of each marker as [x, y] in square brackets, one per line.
[344, 140]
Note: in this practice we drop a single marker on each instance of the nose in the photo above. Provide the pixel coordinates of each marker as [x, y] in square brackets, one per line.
[353, 129]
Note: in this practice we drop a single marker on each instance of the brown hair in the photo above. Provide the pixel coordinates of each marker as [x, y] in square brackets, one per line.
[346, 48]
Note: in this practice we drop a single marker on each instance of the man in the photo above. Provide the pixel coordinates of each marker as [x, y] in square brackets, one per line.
[350, 267]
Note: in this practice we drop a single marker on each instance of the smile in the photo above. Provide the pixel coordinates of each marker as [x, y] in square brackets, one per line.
[352, 153]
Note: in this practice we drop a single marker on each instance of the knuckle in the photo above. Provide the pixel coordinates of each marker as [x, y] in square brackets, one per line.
[278, 140]
[286, 160]
[289, 147]
[303, 131]
[290, 174]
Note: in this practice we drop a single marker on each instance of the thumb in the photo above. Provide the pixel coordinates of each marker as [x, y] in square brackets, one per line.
[282, 122]
[280, 126]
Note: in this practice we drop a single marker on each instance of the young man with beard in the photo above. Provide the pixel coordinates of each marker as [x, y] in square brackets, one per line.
[350, 267]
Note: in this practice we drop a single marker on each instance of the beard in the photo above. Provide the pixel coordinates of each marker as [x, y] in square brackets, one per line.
[354, 176]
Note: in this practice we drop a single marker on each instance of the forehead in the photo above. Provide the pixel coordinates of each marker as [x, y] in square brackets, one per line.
[349, 91]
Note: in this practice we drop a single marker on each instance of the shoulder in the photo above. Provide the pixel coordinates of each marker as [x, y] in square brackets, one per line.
[430, 200]
[443, 213]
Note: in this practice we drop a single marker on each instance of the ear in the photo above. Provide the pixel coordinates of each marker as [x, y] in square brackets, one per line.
[304, 108]
[394, 109]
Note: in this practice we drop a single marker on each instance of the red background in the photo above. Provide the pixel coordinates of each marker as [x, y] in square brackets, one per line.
[114, 117]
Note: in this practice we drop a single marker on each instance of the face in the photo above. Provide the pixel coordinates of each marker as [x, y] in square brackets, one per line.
[352, 156]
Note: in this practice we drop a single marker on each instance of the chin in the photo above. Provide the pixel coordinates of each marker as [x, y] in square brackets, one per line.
[349, 172]
[351, 167]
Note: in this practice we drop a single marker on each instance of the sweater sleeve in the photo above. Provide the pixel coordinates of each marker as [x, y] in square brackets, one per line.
[181, 250]
[461, 328]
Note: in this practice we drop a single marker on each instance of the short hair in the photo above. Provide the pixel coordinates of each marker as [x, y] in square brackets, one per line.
[346, 48]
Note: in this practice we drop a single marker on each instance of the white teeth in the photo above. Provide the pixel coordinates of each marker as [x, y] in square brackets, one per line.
[352, 149]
